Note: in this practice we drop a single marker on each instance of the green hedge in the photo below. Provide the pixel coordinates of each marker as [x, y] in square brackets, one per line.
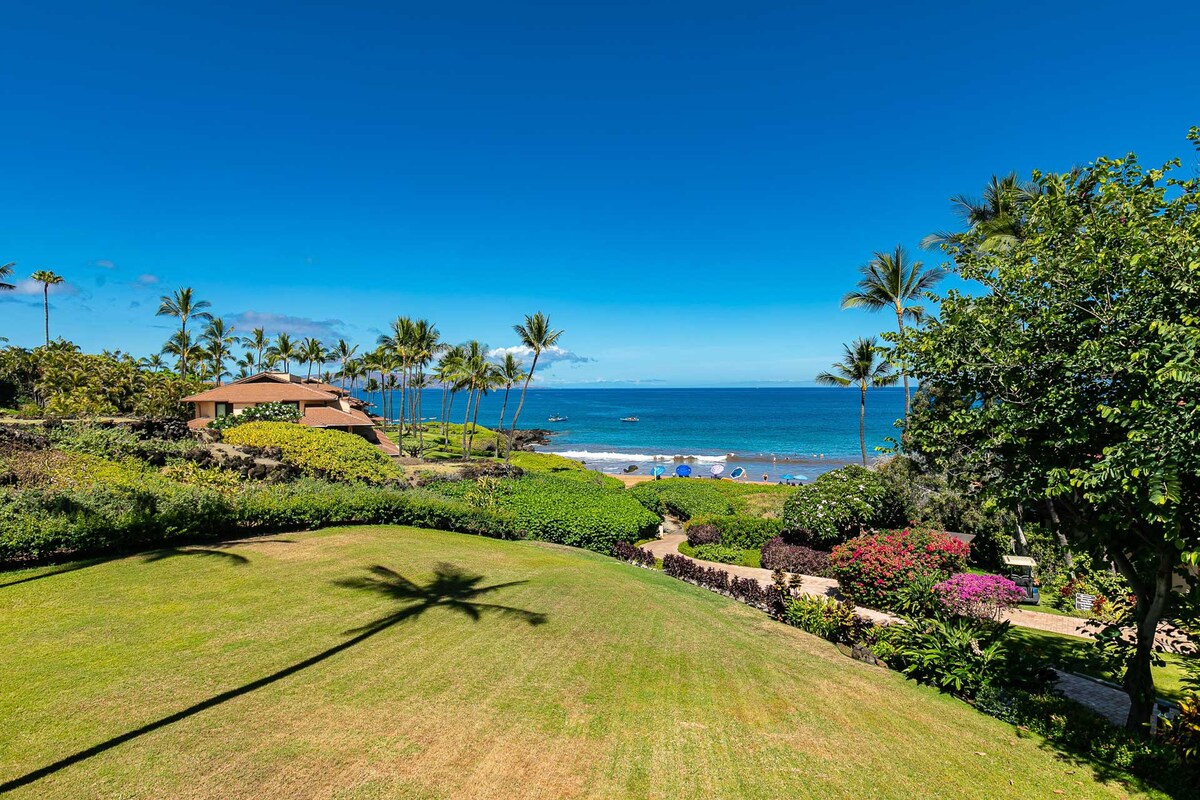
[693, 497]
[562, 467]
[317, 452]
[559, 510]
[741, 530]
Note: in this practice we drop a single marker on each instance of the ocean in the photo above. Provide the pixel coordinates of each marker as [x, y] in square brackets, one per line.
[769, 431]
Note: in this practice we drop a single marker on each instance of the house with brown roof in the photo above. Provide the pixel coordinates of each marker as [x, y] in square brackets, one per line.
[321, 405]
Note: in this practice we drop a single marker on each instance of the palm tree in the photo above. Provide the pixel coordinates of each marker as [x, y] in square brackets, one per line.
[862, 367]
[537, 335]
[258, 341]
[154, 363]
[6, 270]
[399, 343]
[343, 352]
[284, 350]
[184, 306]
[426, 344]
[511, 371]
[47, 279]
[891, 280]
[474, 374]
[313, 352]
[998, 215]
[218, 339]
[448, 373]
[181, 346]
[247, 365]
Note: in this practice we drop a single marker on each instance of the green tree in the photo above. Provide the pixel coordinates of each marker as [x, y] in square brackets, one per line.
[47, 279]
[1072, 382]
[258, 341]
[860, 366]
[218, 341]
[994, 221]
[512, 372]
[284, 350]
[313, 352]
[6, 271]
[893, 281]
[183, 306]
[538, 336]
[182, 347]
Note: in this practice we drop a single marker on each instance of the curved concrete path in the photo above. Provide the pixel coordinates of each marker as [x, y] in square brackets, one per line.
[668, 544]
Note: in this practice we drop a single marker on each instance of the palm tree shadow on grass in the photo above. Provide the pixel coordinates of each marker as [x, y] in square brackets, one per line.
[149, 557]
[451, 588]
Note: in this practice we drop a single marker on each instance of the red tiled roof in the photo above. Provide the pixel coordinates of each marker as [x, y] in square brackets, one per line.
[199, 422]
[261, 392]
[324, 417]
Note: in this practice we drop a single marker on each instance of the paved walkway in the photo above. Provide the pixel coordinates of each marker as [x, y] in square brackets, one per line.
[669, 543]
[1110, 702]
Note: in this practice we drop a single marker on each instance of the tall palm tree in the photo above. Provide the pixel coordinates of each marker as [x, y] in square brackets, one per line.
[486, 377]
[258, 341]
[998, 215]
[860, 366]
[398, 342]
[893, 281]
[512, 371]
[154, 363]
[6, 271]
[284, 350]
[352, 371]
[247, 365]
[448, 373]
[537, 335]
[47, 279]
[184, 306]
[313, 352]
[426, 344]
[218, 340]
[181, 346]
[474, 372]
[343, 352]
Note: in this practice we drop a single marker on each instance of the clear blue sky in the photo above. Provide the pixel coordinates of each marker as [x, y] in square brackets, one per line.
[687, 189]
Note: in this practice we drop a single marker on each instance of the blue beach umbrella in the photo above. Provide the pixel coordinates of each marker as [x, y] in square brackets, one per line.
[738, 472]
[683, 471]
[659, 470]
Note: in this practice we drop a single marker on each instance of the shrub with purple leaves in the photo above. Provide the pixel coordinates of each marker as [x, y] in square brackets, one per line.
[978, 596]
[745, 590]
[703, 534]
[778, 554]
[634, 555]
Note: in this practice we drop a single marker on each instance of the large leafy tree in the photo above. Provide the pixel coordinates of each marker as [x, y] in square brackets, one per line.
[47, 279]
[183, 305]
[861, 366]
[1070, 381]
[894, 282]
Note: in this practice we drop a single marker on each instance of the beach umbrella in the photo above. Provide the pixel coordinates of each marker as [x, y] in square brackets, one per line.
[683, 471]
[659, 470]
[738, 472]
[800, 477]
[787, 477]
[716, 469]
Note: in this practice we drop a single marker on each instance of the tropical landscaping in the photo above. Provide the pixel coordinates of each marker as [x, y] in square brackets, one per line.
[192, 606]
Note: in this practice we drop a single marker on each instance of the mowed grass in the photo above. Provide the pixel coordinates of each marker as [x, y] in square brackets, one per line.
[286, 668]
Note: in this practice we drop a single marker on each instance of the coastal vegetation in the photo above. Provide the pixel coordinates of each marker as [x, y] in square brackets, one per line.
[862, 367]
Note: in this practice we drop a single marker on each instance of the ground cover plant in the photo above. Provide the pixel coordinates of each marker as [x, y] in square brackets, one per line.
[318, 452]
[394, 662]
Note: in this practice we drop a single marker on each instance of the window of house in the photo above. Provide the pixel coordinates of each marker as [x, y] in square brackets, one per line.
[224, 409]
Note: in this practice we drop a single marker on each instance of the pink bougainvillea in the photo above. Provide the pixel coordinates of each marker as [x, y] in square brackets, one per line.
[978, 596]
[871, 569]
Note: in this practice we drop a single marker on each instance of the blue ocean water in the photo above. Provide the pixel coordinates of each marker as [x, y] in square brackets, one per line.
[772, 431]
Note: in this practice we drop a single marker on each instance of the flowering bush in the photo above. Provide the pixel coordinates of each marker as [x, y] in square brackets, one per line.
[873, 568]
[263, 412]
[839, 504]
[978, 596]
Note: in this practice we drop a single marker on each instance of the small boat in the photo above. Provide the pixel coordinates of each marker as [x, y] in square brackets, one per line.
[629, 419]
[557, 418]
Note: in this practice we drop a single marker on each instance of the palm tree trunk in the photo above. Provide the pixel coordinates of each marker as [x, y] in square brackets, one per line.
[503, 408]
[466, 419]
[182, 352]
[903, 372]
[474, 421]
[520, 405]
[445, 396]
[862, 425]
[46, 309]
[420, 423]
[403, 396]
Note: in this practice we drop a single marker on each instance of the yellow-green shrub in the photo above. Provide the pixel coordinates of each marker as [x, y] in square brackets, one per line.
[317, 452]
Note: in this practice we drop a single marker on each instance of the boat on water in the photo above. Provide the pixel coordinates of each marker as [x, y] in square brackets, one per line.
[557, 418]
[629, 419]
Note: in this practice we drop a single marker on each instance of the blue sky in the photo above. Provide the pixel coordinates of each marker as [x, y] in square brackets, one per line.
[688, 191]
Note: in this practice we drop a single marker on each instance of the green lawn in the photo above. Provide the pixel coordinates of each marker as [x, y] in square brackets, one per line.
[348, 664]
[750, 558]
[1072, 653]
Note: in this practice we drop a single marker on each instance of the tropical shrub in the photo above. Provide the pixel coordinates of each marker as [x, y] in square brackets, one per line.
[633, 554]
[745, 590]
[568, 512]
[822, 616]
[872, 568]
[719, 553]
[983, 597]
[317, 452]
[739, 530]
[703, 534]
[778, 554]
[263, 412]
[840, 504]
[683, 497]
[958, 655]
[562, 467]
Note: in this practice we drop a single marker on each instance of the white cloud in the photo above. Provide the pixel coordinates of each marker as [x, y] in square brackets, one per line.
[145, 280]
[104, 263]
[549, 356]
[31, 287]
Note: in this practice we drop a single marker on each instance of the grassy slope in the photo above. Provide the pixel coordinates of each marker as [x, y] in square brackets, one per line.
[635, 685]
